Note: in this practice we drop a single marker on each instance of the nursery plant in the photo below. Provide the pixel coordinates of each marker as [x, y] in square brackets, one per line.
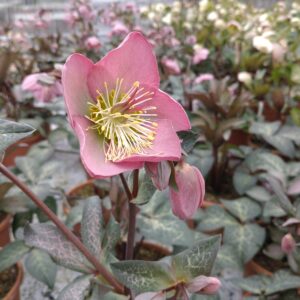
[123, 123]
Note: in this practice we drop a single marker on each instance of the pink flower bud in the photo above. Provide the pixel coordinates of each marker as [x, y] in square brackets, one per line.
[159, 173]
[171, 66]
[191, 191]
[92, 43]
[288, 244]
[204, 285]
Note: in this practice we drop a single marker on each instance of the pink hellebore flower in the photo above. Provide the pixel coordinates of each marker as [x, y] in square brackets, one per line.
[171, 66]
[204, 285]
[43, 86]
[203, 77]
[191, 191]
[200, 55]
[119, 29]
[86, 12]
[92, 43]
[119, 114]
[288, 244]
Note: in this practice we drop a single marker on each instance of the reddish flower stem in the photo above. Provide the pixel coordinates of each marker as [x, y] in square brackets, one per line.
[131, 212]
[99, 268]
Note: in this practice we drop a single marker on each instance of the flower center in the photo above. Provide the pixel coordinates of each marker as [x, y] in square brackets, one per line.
[124, 120]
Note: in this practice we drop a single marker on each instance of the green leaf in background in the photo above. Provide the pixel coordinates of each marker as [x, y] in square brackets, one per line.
[243, 181]
[92, 225]
[156, 222]
[295, 75]
[215, 217]
[11, 132]
[284, 145]
[244, 208]
[259, 193]
[281, 281]
[264, 128]
[229, 259]
[76, 290]
[39, 265]
[12, 253]
[143, 276]
[51, 203]
[247, 239]
[295, 115]
[48, 238]
[112, 234]
[197, 260]
[268, 162]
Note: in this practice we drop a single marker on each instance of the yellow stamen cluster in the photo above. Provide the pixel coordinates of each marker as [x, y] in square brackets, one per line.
[127, 127]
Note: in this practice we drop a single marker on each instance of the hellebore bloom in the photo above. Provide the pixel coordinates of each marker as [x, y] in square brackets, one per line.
[204, 285]
[119, 28]
[171, 66]
[117, 111]
[262, 44]
[43, 86]
[200, 54]
[191, 191]
[92, 43]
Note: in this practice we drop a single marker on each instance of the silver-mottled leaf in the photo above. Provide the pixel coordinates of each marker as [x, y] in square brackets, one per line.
[244, 208]
[243, 181]
[76, 290]
[246, 238]
[215, 217]
[11, 132]
[197, 260]
[264, 128]
[281, 281]
[143, 276]
[259, 193]
[48, 238]
[39, 265]
[229, 259]
[91, 225]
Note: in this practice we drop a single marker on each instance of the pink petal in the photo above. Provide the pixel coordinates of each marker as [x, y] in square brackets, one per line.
[30, 82]
[288, 244]
[168, 108]
[92, 154]
[191, 191]
[166, 145]
[74, 80]
[204, 285]
[97, 77]
[133, 60]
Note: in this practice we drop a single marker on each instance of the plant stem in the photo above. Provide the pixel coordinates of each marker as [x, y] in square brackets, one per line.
[99, 268]
[132, 210]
